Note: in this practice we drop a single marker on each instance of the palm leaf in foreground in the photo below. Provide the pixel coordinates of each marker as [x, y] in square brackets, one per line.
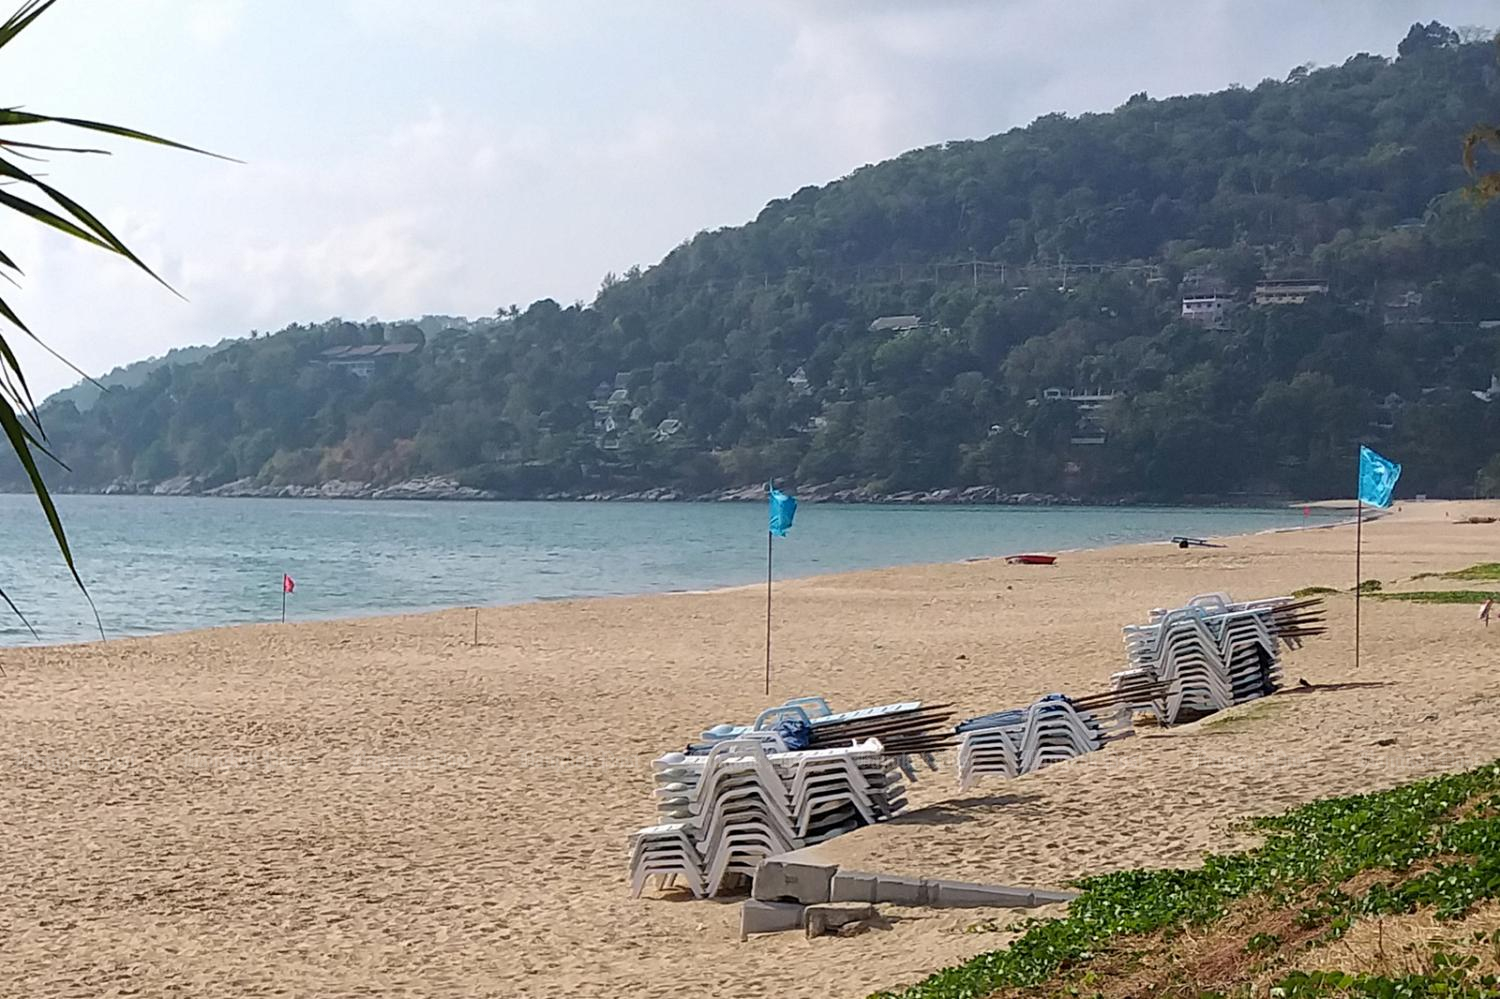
[46, 205]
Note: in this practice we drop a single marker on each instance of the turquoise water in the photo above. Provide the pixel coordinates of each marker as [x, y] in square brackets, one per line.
[159, 564]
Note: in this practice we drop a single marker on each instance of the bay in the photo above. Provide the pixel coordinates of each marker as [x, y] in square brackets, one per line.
[164, 564]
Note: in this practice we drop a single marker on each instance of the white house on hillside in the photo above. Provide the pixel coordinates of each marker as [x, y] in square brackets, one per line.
[1288, 291]
[1209, 311]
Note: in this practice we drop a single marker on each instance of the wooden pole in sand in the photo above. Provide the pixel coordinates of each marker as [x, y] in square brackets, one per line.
[770, 542]
[283, 601]
[1359, 519]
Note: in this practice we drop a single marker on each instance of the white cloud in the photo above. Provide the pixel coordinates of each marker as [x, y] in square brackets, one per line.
[448, 21]
[213, 22]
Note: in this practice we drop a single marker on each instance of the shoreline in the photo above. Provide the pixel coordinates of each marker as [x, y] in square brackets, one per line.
[388, 613]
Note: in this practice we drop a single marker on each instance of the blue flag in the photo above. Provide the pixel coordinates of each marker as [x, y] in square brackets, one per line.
[783, 509]
[1377, 478]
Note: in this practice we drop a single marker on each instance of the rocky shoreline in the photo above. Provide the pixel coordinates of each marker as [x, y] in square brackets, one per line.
[439, 487]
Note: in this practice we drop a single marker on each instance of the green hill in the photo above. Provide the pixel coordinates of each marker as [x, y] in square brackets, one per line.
[83, 395]
[1007, 312]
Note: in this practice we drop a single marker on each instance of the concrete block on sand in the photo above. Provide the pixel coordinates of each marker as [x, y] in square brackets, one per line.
[962, 895]
[838, 917]
[859, 886]
[794, 877]
[854, 886]
[770, 917]
[901, 891]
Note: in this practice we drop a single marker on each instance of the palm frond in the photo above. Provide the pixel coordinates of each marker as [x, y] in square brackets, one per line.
[18, 22]
[21, 442]
[18, 411]
[15, 116]
[45, 216]
[19, 391]
[97, 230]
[45, 148]
[17, 612]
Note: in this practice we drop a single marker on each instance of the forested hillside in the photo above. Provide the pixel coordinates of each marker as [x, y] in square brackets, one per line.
[1006, 312]
[86, 393]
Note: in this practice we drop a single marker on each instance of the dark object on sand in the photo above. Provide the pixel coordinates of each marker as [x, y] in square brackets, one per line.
[1184, 542]
[1031, 559]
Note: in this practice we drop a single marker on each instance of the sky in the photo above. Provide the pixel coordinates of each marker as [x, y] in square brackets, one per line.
[407, 157]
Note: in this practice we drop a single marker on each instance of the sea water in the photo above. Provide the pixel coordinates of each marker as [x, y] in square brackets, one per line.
[162, 564]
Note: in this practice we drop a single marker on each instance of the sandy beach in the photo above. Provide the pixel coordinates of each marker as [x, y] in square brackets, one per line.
[379, 807]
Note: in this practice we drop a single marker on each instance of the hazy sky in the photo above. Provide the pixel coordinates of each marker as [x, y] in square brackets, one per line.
[451, 156]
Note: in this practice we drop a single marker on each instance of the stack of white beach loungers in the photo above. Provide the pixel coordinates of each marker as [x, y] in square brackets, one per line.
[1211, 654]
[801, 773]
[742, 794]
[1051, 730]
[1206, 656]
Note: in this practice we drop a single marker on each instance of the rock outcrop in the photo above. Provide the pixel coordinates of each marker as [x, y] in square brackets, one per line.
[439, 487]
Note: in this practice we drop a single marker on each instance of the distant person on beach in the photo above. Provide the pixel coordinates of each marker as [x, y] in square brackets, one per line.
[1484, 611]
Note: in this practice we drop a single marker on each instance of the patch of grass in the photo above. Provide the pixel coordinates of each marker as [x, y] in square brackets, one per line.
[1230, 721]
[1369, 586]
[1434, 843]
[1313, 591]
[1484, 571]
[1442, 596]
[1451, 976]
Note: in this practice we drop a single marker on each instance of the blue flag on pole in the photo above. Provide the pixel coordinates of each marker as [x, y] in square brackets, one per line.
[1377, 478]
[783, 509]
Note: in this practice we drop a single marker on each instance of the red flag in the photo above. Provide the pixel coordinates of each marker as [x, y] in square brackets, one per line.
[287, 584]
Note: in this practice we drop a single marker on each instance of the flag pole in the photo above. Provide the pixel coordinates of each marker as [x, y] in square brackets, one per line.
[283, 600]
[770, 541]
[1359, 520]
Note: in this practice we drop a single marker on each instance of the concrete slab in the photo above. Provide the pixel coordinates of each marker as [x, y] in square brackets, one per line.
[854, 886]
[805, 878]
[962, 895]
[770, 917]
[794, 877]
[861, 886]
[901, 891]
[829, 918]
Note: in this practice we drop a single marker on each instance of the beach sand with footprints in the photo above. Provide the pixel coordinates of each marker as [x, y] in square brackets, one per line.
[380, 807]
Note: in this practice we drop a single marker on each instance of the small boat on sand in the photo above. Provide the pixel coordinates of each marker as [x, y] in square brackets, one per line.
[1031, 559]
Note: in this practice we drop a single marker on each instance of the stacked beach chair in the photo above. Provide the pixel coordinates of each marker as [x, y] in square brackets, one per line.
[747, 799]
[1051, 730]
[799, 774]
[1210, 654]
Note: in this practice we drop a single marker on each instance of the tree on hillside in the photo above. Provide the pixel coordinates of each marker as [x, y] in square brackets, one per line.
[1426, 37]
[27, 195]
